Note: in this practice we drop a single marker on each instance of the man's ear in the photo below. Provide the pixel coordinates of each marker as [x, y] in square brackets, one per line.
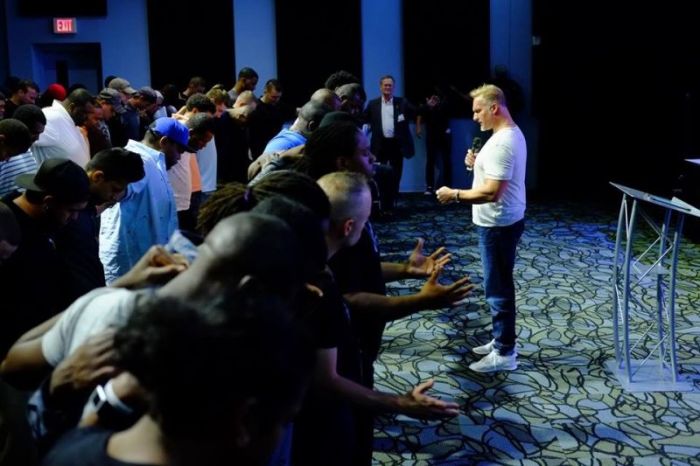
[96, 176]
[249, 283]
[48, 200]
[312, 125]
[348, 224]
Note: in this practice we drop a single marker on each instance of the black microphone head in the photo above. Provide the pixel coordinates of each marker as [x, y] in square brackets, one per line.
[477, 143]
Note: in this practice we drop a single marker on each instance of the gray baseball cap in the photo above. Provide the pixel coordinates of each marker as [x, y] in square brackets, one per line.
[113, 97]
[122, 85]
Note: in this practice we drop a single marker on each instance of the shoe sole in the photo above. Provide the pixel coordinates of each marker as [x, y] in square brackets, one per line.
[481, 352]
[494, 369]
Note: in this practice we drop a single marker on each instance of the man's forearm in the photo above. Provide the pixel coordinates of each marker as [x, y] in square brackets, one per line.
[360, 395]
[385, 307]
[24, 366]
[40, 330]
[392, 271]
[475, 196]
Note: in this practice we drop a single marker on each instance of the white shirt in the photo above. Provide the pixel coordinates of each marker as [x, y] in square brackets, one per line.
[90, 314]
[387, 117]
[61, 138]
[206, 159]
[144, 217]
[503, 157]
[180, 176]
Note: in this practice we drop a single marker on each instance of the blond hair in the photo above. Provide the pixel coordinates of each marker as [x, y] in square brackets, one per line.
[217, 96]
[344, 191]
[244, 98]
[490, 93]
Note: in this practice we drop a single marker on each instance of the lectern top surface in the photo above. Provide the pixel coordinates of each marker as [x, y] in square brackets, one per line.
[675, 203]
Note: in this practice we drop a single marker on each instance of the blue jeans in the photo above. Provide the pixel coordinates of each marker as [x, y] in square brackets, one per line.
[497, 247]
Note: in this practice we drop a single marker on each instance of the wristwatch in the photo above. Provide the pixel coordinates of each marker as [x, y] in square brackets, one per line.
[111, 411]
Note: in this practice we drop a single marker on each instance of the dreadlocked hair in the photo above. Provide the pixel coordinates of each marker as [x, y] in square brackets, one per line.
[229, 199]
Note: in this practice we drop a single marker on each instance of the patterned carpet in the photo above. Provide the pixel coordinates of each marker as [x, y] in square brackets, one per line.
[561, 407]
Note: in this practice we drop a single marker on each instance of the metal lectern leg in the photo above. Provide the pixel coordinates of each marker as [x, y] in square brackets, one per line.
[672, 295]
[621, 224]
[626, 295]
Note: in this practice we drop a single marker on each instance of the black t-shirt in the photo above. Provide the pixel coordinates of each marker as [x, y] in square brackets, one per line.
[328, 320]
[10, 108]
[265, 122]
[435, 118]
[324, 428]
[231, 140]
[78, 247]
[32, 280]
[359, 269]
[117, 131]
[84, 447]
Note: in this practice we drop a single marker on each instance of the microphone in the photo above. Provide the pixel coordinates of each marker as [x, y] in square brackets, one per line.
[476, 147]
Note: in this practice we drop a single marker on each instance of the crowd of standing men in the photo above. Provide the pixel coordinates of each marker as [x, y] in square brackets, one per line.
[159, 246]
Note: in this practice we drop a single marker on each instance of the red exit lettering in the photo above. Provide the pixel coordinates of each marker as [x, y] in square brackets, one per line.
[64, 25]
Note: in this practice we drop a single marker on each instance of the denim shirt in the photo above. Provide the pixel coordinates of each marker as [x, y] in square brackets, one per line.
[146, 216]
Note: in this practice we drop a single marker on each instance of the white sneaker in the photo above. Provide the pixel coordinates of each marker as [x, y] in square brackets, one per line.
[488, 347]
[484, 349]
[494, 362]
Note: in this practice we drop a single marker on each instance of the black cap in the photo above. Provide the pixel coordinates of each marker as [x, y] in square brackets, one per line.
[148, 94]
[61, 178]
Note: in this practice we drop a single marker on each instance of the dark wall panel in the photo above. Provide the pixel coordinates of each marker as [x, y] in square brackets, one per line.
[446, 44]
[61, 8]
[314, 39]
[4, 57]
[605, 94]
[182, 40]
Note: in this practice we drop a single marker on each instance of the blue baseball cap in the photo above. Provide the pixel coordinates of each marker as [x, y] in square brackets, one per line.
[173, 130]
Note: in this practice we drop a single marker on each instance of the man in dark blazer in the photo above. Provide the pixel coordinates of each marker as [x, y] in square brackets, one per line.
[388, 117]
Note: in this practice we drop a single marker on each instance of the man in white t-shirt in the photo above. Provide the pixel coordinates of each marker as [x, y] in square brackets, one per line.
[498, 195]
[62, 137]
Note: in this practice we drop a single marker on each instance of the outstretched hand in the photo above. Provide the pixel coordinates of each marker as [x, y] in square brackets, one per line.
[436, 296]
[420, 265]
[419, 405]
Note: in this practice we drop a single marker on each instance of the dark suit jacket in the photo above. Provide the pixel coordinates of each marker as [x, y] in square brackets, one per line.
[373, 116]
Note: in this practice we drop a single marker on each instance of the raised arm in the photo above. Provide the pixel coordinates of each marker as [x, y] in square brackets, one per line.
[432, 295]
[414, 403]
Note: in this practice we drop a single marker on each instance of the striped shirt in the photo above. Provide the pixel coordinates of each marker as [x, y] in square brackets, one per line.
[13, 167]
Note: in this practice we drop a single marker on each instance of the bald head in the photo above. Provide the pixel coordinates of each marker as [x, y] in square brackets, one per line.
[310, 116]
[345, 191]
[327, 97]
[351, 205]
[352, 97]
[253, 244]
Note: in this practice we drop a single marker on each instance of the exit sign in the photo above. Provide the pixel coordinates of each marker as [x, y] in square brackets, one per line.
[65, 26]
